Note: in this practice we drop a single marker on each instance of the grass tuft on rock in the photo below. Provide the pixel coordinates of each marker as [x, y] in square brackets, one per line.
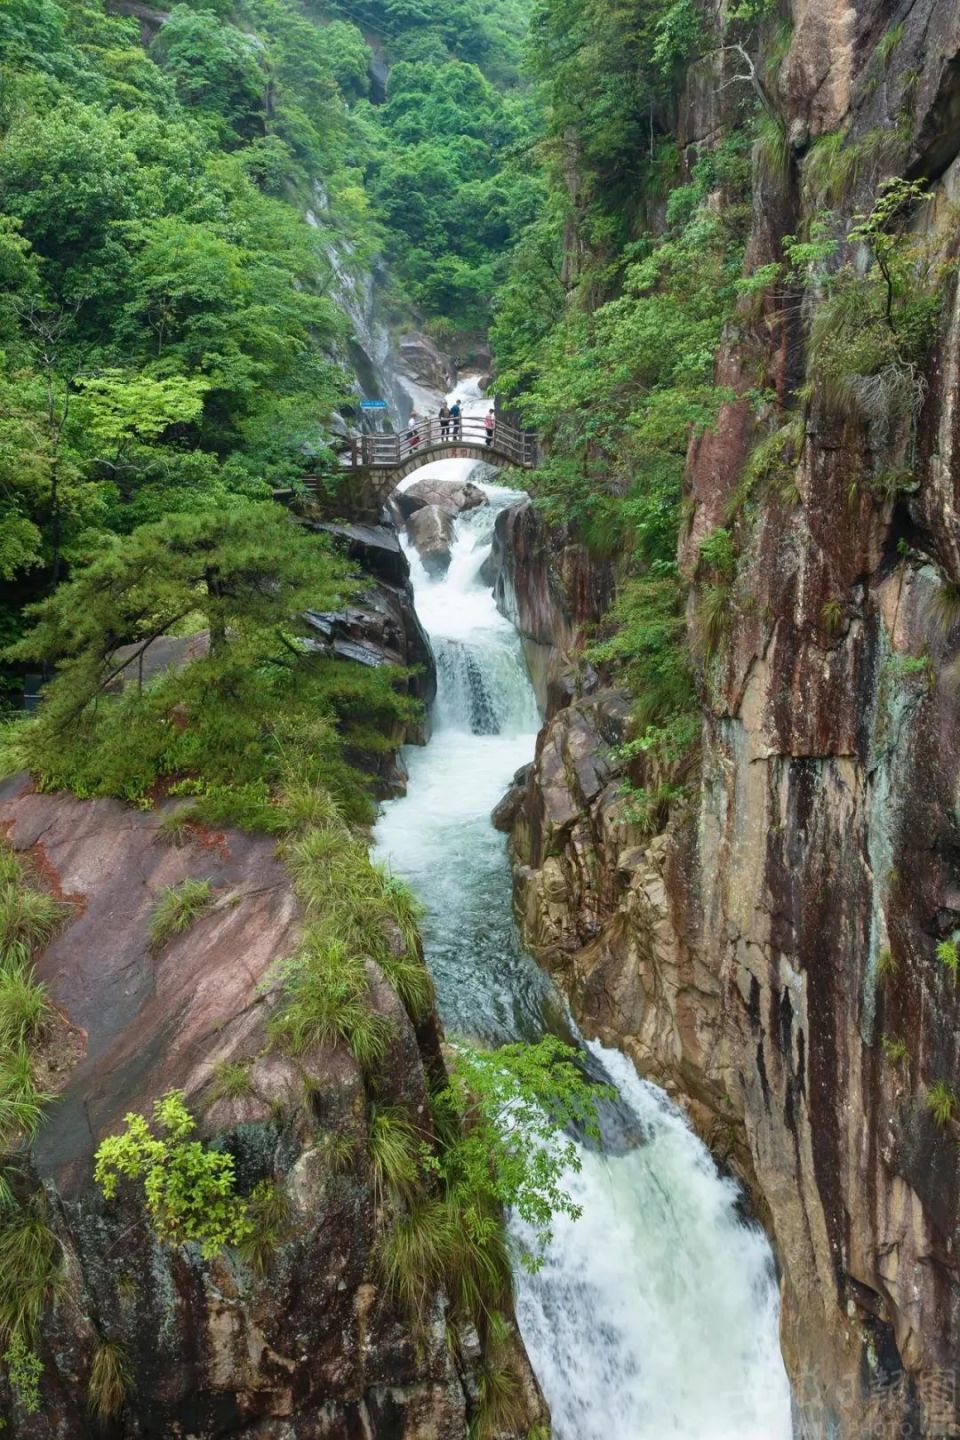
[327, 1000]
[176, 910]
[31, 1268]
[231, 1080]
[396, 1151]
[25, 1009]
[942, 1103]
[110, 1382]
[29, 918]
[268, 1212]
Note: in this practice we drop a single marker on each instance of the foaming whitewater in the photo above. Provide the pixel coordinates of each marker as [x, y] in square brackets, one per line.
[655, 1315]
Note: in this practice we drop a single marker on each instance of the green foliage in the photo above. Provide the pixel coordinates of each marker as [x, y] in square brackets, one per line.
[166, 339]
[442, 177]
[111, 1380]
[502, 1401]
[873, 330]
[717, 553]
[885, 46]
[29, 918]
[177, 908]
[771, 468]
[395, 1152]
[648, 644]
[894, 1050]
[231, 1080]
[268, 1214]
[833, 167]
[886, 963]
[832, 615]
[25, 1010]
[942, 1103]
[948, 953]
[31, 1269]
[21, 1103]
[355, 906]
[501, 1121]
[326, 1000]
[189, 1191]
[513, 1106]
[24, 1372]
[257, 709]
[944, 607]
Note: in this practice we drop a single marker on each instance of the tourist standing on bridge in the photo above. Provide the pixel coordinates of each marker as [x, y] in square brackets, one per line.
[455, 414]
[412, 431]
[489, 424]
[445, 413]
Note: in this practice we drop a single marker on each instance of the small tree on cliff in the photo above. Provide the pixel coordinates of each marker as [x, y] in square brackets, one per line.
[257, 703]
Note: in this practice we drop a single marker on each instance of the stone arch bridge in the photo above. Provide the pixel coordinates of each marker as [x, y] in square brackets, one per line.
[380, 462]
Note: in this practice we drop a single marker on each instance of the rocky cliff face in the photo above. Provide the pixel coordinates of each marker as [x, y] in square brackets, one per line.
[553, 589]
[771, 957]
[304, 1344]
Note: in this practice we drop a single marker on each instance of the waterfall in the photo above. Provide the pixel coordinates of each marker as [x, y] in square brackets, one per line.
[655, 1315]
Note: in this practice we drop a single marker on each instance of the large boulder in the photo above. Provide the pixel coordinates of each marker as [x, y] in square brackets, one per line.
[431, 530]
[419, 359]
[376, 548]
[454, 496]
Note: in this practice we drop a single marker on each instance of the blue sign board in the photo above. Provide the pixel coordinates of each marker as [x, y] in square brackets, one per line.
[373, 404]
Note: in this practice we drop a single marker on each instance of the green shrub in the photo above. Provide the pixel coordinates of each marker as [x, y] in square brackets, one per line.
[189, 1191]
[24, 1371]
[886, 962]
[12, 757]
[713, 616]
[717, 553]
[948, 953]
[944, 607]
[831, 615]
[111, 1380]
[177, 908]
[502, 1402]
[771, 468]
[941, 1102]
[353, 903]
[341, 1150]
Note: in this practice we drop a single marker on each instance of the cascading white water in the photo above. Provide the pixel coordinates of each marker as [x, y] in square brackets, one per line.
[655, 1314]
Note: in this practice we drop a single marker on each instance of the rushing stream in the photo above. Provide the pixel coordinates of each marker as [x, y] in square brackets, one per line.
[655, 1315]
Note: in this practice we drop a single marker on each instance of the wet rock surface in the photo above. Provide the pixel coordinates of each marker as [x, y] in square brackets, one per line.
[421, 359]
[431, 531]
[552, 590]
[454, 496]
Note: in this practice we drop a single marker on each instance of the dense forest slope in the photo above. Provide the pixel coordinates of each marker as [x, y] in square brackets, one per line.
[748, 381]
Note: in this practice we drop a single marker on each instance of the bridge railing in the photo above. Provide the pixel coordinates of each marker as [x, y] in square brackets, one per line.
[385, 452]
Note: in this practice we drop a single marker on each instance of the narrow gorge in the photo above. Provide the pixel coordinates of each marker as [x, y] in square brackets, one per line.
[479, 951]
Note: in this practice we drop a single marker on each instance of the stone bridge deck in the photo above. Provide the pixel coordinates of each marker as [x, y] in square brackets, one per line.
[380, 462]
